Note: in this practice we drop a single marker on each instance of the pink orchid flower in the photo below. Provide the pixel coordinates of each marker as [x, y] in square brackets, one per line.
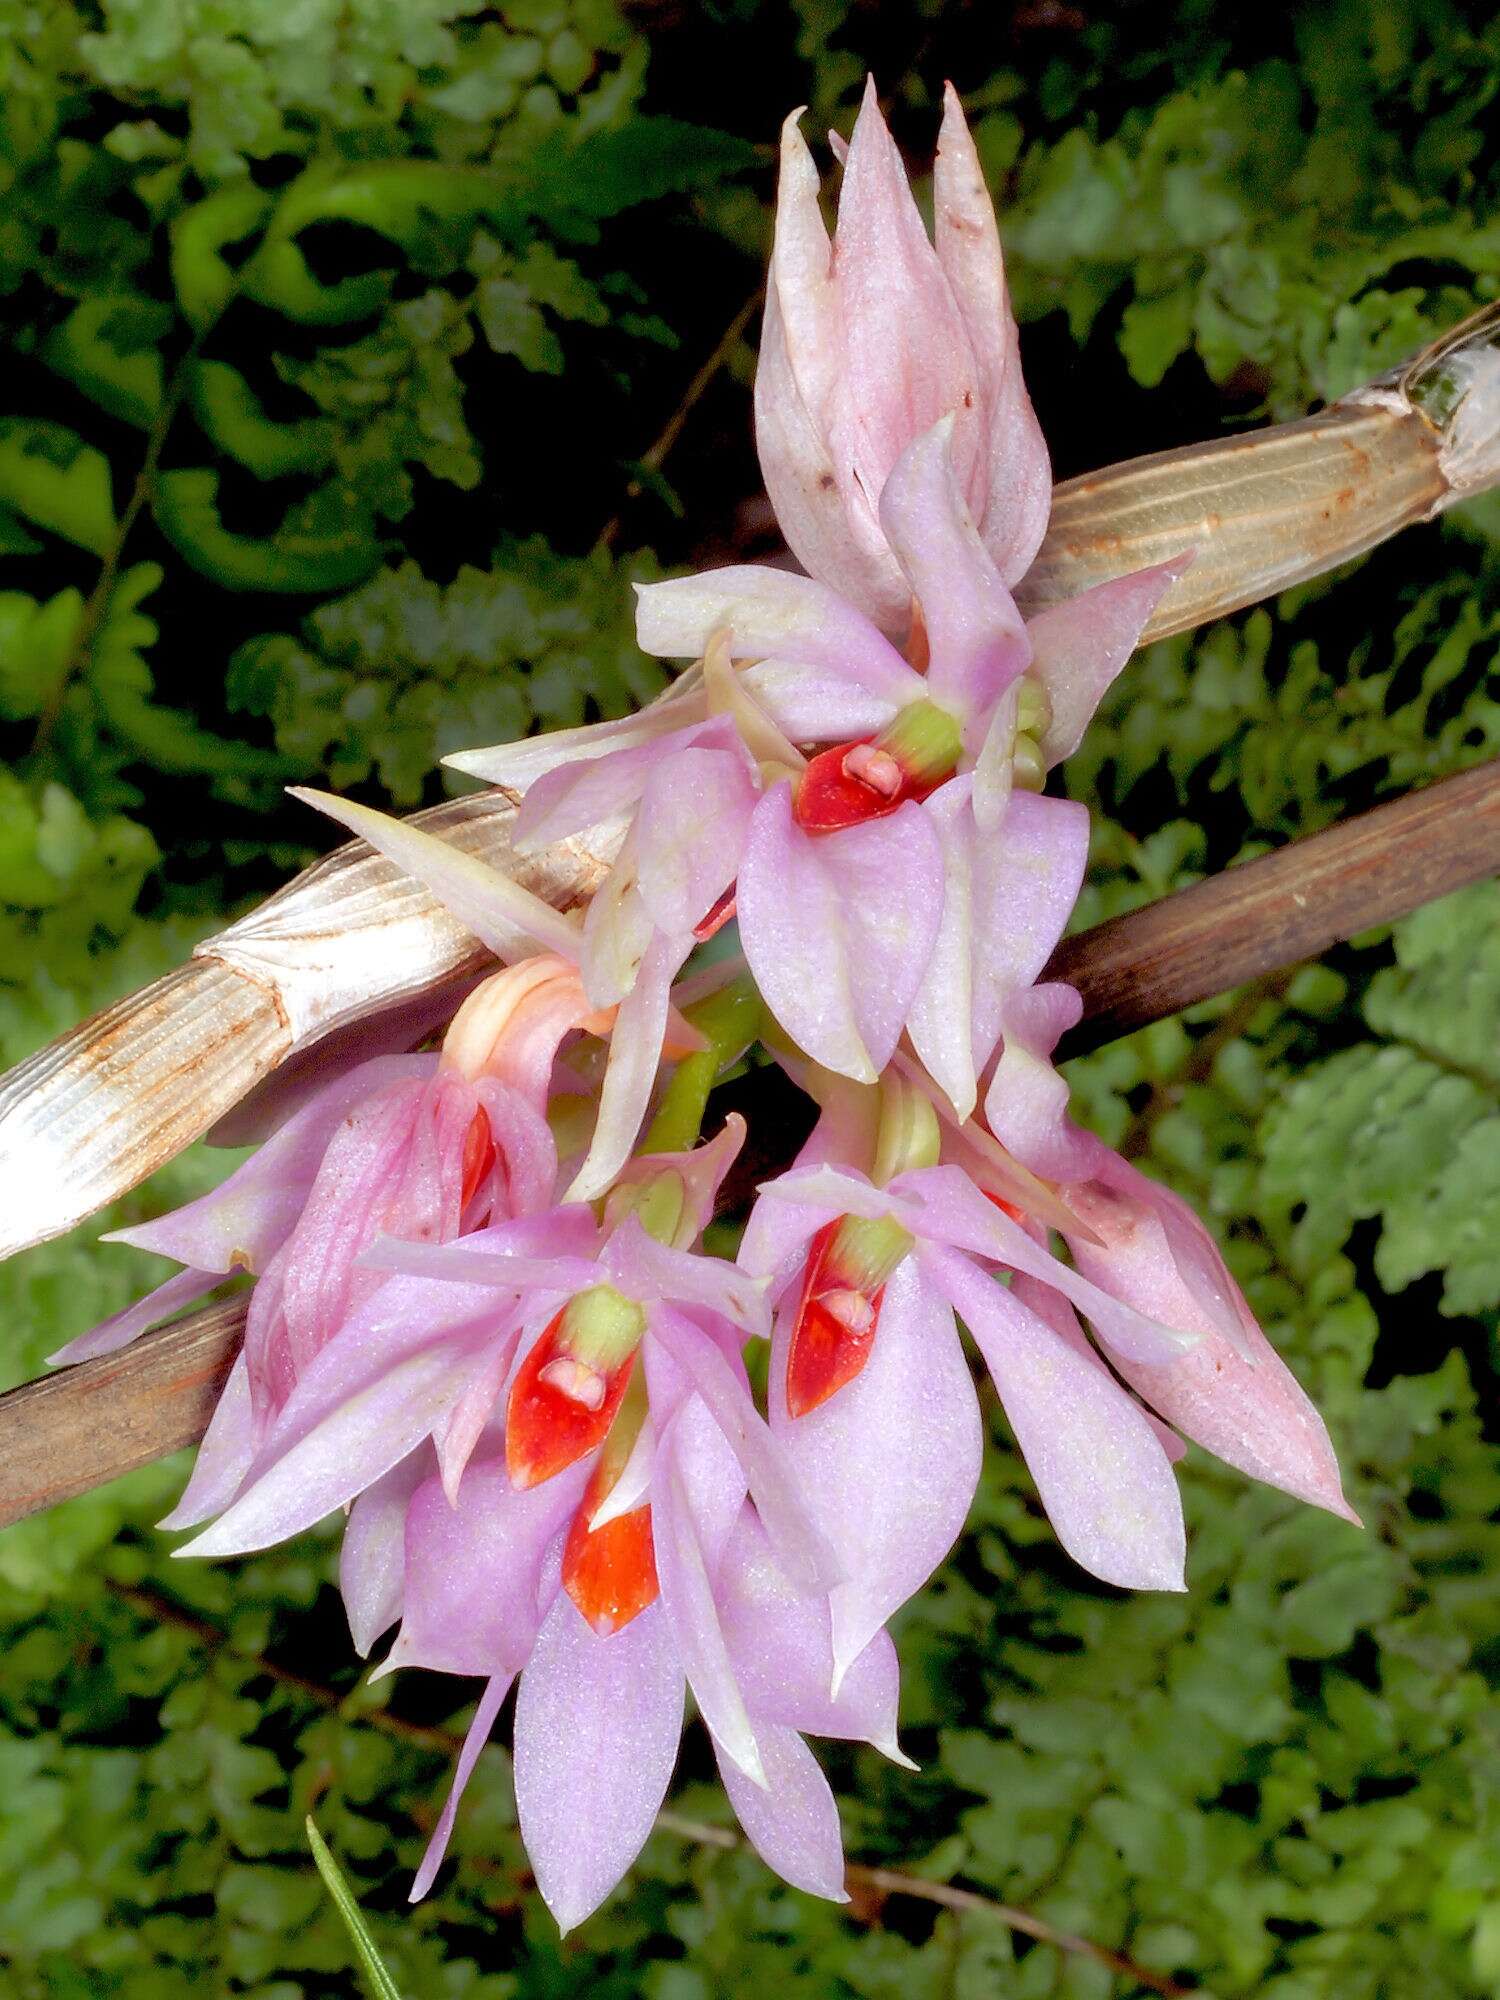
[866, 1365]
[873, 337]
[556, 1469]
[899, 447]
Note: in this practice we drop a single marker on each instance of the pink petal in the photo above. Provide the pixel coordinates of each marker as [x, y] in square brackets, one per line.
[890, 1463]
[647, 1269]
[801, 1547]
[1026, 880]
[395, 1163]
[943, 1205]
[802, 481]
[473, 1569]
[617, 930]
[1026, 1105]
[780, 1640]
[635, 1047]
[694, 815]
[838, 929]
[1238, 1399]
[977, 638]
[906, 355]
[1012, 484]
[574, 797]
[772, 614]
[688, 1600]
[243, 1222]
[372, 1559]
[941, 1019]
[111, 1334]
[225, 1455]
[477, 1737]
[472, 1262]
[1104, 1480]
[501, 914]
[792, 1821]
[596, 1734]
[701, 1170]
[801, 278]
[815, 704]
[341, 1456]
[1080, 645]
[516, 767]
[457, 1436]
[526, 1153]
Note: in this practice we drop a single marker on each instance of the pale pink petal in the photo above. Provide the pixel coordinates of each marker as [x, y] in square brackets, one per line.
[473, 1569]
[977, 637]
[225, 1455]
[501, 914]
[339, 1457]
[646, 1269]
[889, 1464]
[574, 797]
[687, 1598]
[597, 1727]
[372, 1558]
[941, 1018]
[475, 1740]
[815, 704]
[801, 275]
[525, 1151]
[994, 779]
[803, 484]
[457, 1436]
[473, 1263]
[802, 1548]
[792, 1821]
[362, 1402]
[780, 1639]
[838, 929]
[1238, 1399]
[517, 766]
[111, 1334]
[635, 1047]
[694, 815]
[1080, 645]
[1011, 488]
[244, 1221]
[776, 1237]
[617, 929]
[395, 1163]
[906, 354]
[943, 1204]
[795, 390]
[1026, 880]
[701, 1170]
[791, 926]
[772, 614]
[1026, 1104]
[1104, 1480]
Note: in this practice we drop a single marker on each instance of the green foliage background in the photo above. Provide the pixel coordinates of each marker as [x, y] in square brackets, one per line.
[337, 336]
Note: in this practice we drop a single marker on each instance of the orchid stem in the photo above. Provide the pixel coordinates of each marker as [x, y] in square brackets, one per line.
[729, 1021]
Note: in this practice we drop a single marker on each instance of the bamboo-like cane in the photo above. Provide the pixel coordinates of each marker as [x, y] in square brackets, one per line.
[75, 1430]
[92, 1114]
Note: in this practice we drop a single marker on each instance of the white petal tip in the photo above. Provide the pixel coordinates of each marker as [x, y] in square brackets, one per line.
[890, 1749]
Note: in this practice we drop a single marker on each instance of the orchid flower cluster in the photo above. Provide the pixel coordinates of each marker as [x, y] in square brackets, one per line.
[483, 1320]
